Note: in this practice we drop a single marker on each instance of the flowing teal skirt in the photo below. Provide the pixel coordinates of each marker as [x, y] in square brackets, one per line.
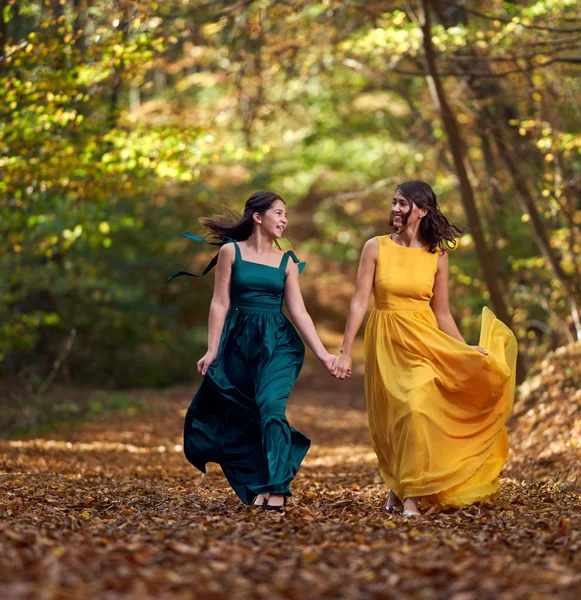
[237, 417]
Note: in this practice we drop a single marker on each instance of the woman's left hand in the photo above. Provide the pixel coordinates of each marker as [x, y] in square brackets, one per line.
[329, 362]
[342, 366]
[480, 349]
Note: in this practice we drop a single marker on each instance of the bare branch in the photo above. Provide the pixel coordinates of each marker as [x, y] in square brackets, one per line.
[529, 68]
[59, 361]
[364, 193]
[530, 56]
[481, 15]
[14, 50]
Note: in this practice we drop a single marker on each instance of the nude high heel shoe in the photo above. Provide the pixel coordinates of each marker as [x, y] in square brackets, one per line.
[414, 511]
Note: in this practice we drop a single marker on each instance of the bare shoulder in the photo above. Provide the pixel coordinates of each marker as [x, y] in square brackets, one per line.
[370, 249]
[443, 260]
[227, 252]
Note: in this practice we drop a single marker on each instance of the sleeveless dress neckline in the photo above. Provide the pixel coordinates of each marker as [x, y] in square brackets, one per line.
[250, 262]
[406, 247]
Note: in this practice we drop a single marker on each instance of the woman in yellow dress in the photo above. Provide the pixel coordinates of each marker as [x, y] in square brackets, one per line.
[437, 407]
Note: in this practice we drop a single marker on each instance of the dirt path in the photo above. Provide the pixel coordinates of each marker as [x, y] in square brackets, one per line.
[111, 509]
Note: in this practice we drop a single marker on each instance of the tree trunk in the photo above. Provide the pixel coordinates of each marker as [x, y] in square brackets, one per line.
[495, 218]
[3, 28]
[485, 89]
[134, 98]
[159, 80]
[488, 260]
[117, 79]
[570, 287]
[80, 26]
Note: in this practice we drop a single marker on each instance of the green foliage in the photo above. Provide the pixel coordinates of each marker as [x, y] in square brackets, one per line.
[92, 199]
[45, 413]
[122, 123]
[100, 402]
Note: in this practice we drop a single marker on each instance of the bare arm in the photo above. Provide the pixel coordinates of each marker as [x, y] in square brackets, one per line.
[441, 302]
[359, 305]
[301, 318]
[219, 306]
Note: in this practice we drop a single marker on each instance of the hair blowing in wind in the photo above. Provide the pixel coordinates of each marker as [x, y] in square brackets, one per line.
[435, 228]
[239, 227]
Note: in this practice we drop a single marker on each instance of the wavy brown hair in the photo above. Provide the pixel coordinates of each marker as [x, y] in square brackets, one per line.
[239, 227]
[435, 229]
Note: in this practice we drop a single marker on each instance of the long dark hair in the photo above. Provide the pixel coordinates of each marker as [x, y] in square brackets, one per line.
[239, 227]
[435, 228]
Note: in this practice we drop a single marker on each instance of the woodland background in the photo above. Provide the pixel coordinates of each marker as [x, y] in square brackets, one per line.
[121, 123]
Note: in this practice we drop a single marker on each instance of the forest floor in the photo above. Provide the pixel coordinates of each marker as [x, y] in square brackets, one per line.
[110, 509]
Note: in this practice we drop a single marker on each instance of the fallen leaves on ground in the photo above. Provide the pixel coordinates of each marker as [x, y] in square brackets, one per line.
[546, 421]
[111, 509]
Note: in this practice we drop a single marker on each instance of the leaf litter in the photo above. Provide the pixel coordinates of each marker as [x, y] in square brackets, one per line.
[111, 509]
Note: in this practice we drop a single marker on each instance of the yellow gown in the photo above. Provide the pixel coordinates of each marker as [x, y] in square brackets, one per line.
[437, 408]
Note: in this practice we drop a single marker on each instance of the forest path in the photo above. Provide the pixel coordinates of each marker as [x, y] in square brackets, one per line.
[111, 509]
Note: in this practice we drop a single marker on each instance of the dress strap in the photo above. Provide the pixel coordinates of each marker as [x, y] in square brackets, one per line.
[214, 260]
[302, 265]
[237, 248]
[283, 262]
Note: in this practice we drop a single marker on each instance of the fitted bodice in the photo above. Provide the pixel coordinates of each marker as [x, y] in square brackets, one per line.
[404, 277]
[255, 286]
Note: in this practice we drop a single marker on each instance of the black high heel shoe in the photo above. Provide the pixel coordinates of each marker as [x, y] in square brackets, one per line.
[392, 503]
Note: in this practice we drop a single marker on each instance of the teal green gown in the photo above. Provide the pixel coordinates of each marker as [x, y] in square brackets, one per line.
[237, 417]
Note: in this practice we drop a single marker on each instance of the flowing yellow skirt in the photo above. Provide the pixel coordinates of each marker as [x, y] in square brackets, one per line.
[437, 408]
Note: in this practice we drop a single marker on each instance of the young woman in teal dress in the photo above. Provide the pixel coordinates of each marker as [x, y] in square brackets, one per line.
[237, 417]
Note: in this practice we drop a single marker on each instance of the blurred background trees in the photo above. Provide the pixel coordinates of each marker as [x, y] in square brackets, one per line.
[124, 121]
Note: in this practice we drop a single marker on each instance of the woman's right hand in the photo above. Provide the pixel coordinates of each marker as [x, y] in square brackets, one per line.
[329, 361]
[206, 361]
[342, 366]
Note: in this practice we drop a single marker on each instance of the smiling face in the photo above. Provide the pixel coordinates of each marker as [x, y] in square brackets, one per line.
[273, 222]
[400, 207]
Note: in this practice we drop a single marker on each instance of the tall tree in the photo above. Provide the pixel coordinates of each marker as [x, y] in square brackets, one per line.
[497, 112]
[487, 256]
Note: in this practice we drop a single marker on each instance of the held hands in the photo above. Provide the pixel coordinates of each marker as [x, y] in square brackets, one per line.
[206, 361]
[342, 366]
[329, 360]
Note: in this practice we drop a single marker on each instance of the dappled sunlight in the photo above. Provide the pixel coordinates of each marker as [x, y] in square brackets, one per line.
[94, 446]
[339, 456]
